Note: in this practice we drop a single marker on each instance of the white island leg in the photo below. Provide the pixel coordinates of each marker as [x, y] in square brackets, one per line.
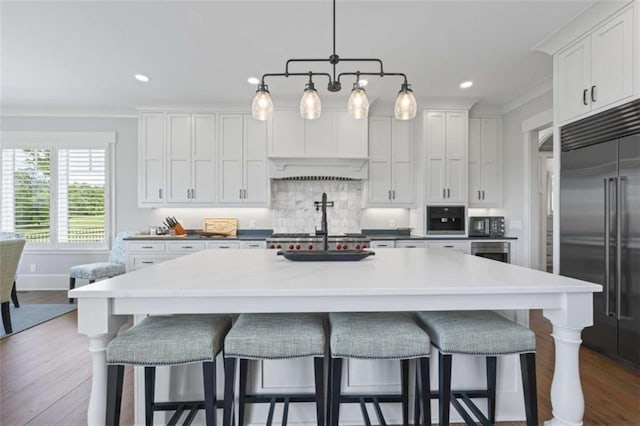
[98, 400]
[567, 399]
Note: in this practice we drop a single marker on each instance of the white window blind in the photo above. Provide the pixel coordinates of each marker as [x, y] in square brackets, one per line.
[26, 193]
[81, 195]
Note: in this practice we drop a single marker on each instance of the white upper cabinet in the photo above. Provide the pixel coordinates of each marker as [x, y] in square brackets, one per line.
[151, 191]
[243, 167]
[191, 161]
[334, 134]
[446, 149]
[596, 71]
[485, 162]
[391, 171]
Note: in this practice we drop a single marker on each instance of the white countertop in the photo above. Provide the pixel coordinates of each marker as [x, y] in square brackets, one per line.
[415, 271]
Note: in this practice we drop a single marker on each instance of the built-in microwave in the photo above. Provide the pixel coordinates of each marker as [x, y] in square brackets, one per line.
[445, 220]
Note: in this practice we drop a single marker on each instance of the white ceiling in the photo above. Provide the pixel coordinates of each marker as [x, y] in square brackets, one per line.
[84, 54]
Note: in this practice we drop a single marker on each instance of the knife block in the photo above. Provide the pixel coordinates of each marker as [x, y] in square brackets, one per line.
[179, 230]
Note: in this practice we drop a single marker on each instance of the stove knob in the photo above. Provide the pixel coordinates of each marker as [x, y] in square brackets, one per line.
[364, 246]
[272, 246]
[310, 247]
[345, 247]
[338, 247]
[298, 247]
[278, 246]
[290, 246]
[358, 247]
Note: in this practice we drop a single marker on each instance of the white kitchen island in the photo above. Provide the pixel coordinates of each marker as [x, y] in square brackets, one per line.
[235, 281]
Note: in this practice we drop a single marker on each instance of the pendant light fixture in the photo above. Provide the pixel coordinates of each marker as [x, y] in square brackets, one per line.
[358, 104]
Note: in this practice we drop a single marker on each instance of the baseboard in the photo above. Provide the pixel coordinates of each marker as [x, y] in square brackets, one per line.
[33, 282]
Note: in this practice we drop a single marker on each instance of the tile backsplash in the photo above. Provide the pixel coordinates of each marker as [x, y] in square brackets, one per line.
[293, 209]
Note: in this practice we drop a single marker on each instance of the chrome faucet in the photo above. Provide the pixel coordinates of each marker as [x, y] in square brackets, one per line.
[324, 231]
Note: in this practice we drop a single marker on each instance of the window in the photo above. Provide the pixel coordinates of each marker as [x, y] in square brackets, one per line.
[57, 194]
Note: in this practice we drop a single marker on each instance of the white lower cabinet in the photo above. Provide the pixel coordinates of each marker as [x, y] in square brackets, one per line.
[383, 244]
[141, 254]
[411, 244]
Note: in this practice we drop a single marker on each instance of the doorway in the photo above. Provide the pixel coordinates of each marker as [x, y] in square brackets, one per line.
[545, 199]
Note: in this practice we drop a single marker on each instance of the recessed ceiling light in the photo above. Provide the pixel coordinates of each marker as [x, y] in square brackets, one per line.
[253, 80]
[466, 84]
[141, 77]
[363, 82]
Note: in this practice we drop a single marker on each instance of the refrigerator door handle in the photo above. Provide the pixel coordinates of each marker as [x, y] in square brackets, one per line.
[607, 238]
[619, 246]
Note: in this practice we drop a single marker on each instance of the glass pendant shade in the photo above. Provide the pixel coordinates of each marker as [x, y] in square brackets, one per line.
[358, 104]
[310, 106]
[262, 106]
[406, 105]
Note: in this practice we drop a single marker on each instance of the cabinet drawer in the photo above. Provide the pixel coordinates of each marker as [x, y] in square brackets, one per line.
[253, 245]
[410, 244]
[185, 247]
[145, 247]
[462, 247]
[383, 244]
[224, 245]
[139, 262]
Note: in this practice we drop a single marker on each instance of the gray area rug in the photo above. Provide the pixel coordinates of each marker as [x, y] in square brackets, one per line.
[27, 316]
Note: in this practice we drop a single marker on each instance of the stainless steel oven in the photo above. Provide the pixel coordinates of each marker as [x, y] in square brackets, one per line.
[500, 251]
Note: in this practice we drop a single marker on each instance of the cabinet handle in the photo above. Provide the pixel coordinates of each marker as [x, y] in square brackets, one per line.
[244, 194]
[444, 193]
[160, 193]
[187, 247]
[393, 191]
[193, 194]
[148, 262]
[389, 195]
[223, 247]
[448, 246]
[593, 93]
[188, 193]
[448, 193]
[240, 193]
[147, 247]
[479, 197]
[483, 194]
[584, 97]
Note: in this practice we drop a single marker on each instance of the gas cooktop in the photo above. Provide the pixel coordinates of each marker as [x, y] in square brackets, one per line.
[309, 242]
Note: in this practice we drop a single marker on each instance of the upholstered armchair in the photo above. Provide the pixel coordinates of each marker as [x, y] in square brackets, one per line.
[12, 236]
[10, 253]
[116, 265]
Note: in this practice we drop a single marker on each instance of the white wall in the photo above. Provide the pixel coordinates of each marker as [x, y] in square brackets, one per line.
[513, 152]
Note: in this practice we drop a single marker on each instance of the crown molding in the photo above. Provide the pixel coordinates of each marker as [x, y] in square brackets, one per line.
[446, 103]
[580, 25]
[540, 89]
[66, 112]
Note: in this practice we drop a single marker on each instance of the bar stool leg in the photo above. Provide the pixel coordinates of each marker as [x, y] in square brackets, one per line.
[404, 385]
[425, 390]
[336, 382]
[209, 380]
[149, 394]
[491, 387]
[416, 400]
[242, 389]
[528, 369]
[318, 366]
[72, 285]
[115, 375]
[444, 387]
[229, 379]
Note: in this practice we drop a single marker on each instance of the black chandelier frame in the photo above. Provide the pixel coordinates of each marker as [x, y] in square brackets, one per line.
[334, 80]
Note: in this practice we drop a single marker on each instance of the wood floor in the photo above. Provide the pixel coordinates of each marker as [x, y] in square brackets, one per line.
[45, 376]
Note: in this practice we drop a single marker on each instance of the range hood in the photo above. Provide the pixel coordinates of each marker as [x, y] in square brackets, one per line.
[319, 168]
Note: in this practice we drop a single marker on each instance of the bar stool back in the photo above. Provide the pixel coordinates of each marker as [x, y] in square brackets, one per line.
[274, 336]
[384, 335]
[480, 333]
[167, 341]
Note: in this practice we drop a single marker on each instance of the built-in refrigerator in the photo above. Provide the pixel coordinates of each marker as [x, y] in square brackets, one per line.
[600, 225]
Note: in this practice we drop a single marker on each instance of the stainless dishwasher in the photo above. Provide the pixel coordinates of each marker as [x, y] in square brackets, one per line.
[496, 250]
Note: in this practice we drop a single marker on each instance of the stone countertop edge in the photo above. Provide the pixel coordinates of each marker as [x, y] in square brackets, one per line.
[243, 235]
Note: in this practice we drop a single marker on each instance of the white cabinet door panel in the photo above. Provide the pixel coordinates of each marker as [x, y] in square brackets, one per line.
[574, 79]
[475, 160]
[223, 245]
[456, 164]
[491, 183]
[231, 147]
[379, 182]
[402, 162]
[203, 159]
[403, 184]
[287, 134]
[178, 157]
[256, 182]
[612, 61]
[379, 160]
[350, 135]
[151, 159]
[437, 179]
[436, 153]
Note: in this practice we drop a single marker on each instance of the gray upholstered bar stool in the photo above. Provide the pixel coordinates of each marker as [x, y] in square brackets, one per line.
[480, 333]
[167, 341]
[383, 335]
[274, 336]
